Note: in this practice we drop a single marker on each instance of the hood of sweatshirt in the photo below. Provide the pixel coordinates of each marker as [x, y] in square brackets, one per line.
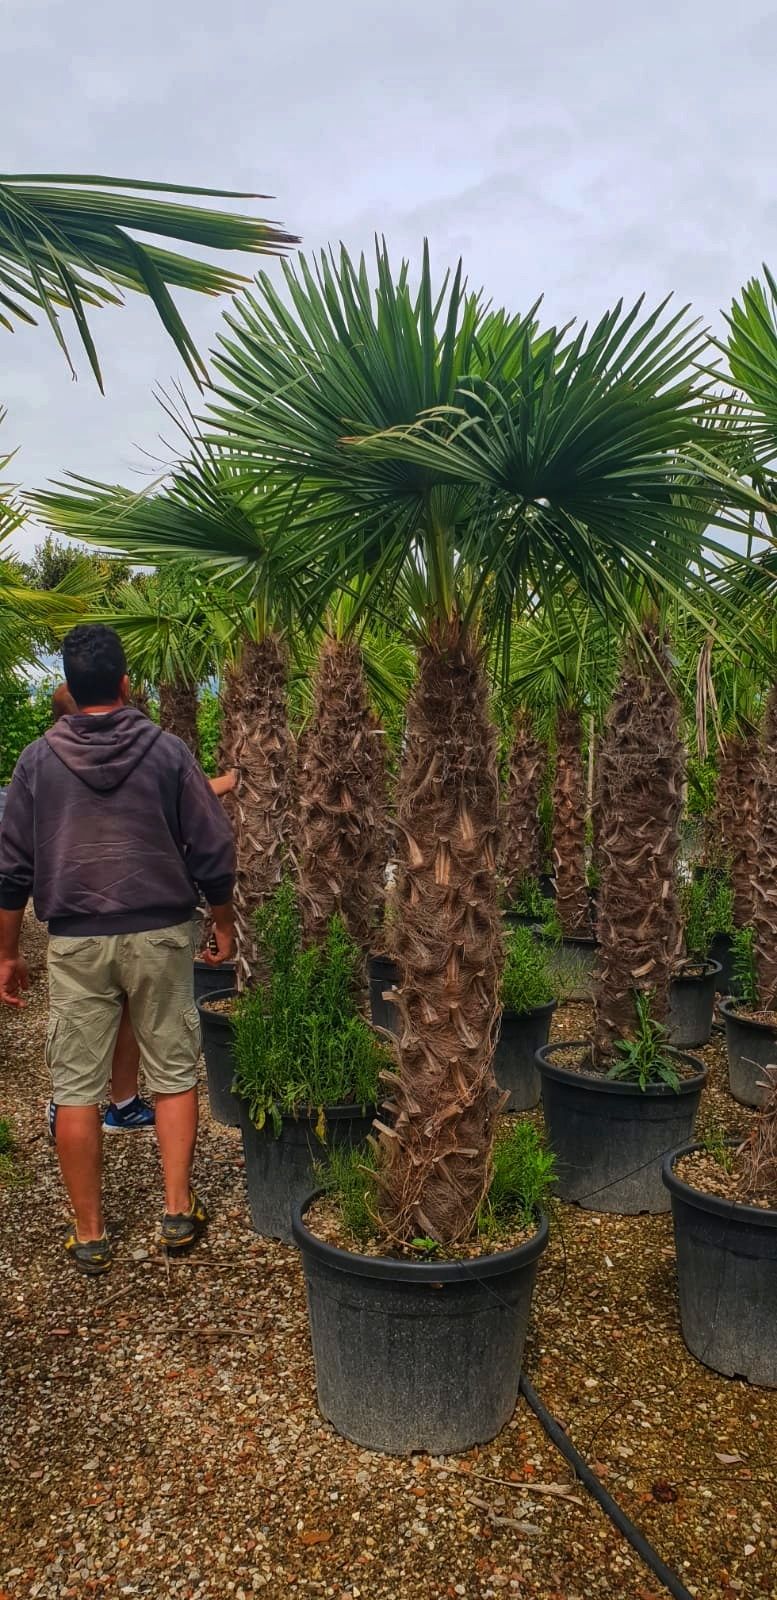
[103, 750]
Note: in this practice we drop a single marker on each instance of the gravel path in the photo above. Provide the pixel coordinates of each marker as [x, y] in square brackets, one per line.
[161, 1436]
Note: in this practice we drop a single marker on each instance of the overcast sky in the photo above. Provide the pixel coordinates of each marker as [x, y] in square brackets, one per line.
[564, 147]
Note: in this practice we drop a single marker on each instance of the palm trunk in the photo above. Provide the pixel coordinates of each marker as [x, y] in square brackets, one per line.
[178, 713]
[640, 787]
[139, 699]
[569, 800]
[342, 798]
[522, 839]
[263, 753]
[736, 804]
[765, 875]
[435, 1162]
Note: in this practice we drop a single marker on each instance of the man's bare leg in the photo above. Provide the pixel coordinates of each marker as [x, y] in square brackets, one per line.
[126, 1062]
[176, 1130]
[79, 1148]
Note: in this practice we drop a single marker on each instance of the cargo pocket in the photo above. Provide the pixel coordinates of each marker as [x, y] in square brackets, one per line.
[191, 1019]
[179, 938]
[51, 1034]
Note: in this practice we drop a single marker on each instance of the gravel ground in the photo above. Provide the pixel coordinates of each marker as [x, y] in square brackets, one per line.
[161, 1436]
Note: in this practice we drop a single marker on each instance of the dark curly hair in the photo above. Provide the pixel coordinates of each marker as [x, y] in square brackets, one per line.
[95, 663]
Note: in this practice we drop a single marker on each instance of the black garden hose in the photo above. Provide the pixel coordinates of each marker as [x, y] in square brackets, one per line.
[590, 1481]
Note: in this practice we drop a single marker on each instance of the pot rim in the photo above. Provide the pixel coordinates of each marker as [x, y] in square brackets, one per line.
[334, 1113]
[711, 970]
[223, 966]
[714, 1203]
[728, 1008]
[219, 1019]
[545, 1010]
[419, 1272]
[659, 1091]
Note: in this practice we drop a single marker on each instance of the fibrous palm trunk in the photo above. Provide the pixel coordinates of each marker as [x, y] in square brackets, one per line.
[765, 875]
[736, 804]
[640, 789]
[435, 1162]
[522, 844]
[139, 699]
[343, 837]
[263, 753]
[178, 713]
[569, 806]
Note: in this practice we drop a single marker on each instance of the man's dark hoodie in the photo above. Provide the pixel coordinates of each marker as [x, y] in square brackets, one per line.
[113, 828]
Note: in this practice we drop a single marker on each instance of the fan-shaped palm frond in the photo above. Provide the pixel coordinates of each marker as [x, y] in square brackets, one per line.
[68, 243]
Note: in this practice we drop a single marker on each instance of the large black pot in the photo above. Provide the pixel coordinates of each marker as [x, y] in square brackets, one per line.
[383, 976]
[751, 1046]
[219, 1058]
[416, 1355]
[727, 1279]
[521, 1034]
[691, 1005]
[722, 951]
[279, 1168]
[212, 980]
[610, 1137]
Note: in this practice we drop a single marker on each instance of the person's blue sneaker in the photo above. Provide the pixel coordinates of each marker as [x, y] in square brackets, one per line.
[126, 1119]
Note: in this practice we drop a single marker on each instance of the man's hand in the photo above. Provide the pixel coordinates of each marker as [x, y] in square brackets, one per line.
[224, 935]
[14, 979]
[224, 783]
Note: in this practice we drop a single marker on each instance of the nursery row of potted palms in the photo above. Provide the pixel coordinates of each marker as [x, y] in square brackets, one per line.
[453, 471]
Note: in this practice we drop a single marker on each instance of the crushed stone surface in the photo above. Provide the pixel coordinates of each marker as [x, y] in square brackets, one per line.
[161, 1436]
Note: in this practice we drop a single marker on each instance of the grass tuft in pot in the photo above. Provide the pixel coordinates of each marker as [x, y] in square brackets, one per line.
[643, 1058]
[521, 1188]
[300, 1040]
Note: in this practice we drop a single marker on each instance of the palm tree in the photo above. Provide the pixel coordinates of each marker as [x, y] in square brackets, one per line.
[68, 243]
[207, 518]
[458, 449]
[522, 837]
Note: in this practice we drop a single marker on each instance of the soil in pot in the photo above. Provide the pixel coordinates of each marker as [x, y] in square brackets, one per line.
[726, 1267]
[751, 1045]
[383, 977]
[610, 1137]
[417, 1355]
[280, 1167]
[691, 1004]
[521, 1035]
[215, 1010]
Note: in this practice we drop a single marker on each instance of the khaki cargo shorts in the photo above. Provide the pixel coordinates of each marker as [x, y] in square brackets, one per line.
[88, 981]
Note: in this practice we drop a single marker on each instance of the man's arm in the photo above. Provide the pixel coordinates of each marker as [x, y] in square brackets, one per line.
[210, 855]
[16, 875]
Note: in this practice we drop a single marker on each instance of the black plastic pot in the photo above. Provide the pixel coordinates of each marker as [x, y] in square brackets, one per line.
[610, 1138]
[519, 919]
[751, 1046]
[727, 1279]
[219, 1058]
[521, 1034]
[722, 951]
[383, 974]
[212, 980]
[691, 1005]
[416, 1355]
[279, 1167]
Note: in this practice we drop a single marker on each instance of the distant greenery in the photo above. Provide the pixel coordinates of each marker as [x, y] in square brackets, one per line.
[25, 715]
[523, 1177]
[744, 967]
[53, 560]
[531, 902]
[707, 908]
[301, 1042]
[209, 728]
[643, 1059]
[526, 981]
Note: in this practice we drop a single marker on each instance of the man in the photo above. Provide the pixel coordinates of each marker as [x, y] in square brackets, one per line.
[111, 825]
[127, 1112]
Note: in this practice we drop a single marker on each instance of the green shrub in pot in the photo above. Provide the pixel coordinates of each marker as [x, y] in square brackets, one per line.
[526, 979]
